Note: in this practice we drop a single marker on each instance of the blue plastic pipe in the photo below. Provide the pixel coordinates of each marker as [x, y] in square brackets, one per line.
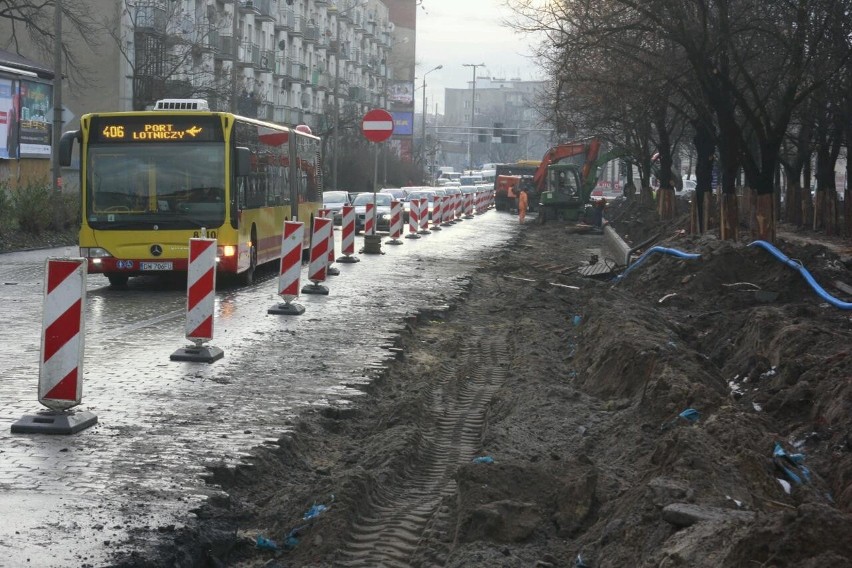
[650, 251]
[797, 266]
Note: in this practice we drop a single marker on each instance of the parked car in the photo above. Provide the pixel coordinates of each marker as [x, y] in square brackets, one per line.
[429, 194]
[397, 193]
[383, 210]
[335, 200]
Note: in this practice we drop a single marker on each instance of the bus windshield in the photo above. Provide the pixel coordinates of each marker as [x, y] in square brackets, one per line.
[140, 185]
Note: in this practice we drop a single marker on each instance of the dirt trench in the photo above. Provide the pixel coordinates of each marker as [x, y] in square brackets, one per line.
[574, 387]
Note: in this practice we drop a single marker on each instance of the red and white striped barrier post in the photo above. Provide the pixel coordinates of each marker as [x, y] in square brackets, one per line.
[469, 200]
[438, 212]
[200, 301]
[395, 223]
[447, 211]
[347, 235]
[413, 219]
[424, 216]
[319, 257]
[290, 270]
[370, 219]
[330, 270]
[60, 381]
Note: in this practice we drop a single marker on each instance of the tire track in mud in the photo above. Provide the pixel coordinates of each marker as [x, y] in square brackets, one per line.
[400, 515]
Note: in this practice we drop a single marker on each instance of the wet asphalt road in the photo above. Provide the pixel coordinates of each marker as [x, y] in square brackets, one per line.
[72, 500]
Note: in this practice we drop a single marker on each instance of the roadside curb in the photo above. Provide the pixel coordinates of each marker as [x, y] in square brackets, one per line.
[614, 246]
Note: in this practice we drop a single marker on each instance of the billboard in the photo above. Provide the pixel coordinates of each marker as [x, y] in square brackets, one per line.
[9, 118]
[401, 94]
[403, 123]
[35, 130]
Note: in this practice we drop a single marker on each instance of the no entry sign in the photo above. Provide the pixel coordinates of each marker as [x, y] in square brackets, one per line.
[377, 125]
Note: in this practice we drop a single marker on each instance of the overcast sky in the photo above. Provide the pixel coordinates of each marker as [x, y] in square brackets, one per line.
[454, 32]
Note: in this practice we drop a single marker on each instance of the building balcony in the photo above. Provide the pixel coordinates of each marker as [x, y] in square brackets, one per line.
[266, 111]
[151, 16]
[266, 60]
[280, 66]
[280, 114]
[224, 48]
[249, 7]
[312, 33]
[295, 25]
[264, 9]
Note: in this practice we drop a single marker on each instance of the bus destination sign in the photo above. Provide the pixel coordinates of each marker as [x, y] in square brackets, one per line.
[156, 128]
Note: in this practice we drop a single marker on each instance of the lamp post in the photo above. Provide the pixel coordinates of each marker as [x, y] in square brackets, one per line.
[472, 111]
[423, 128]
[336, 131]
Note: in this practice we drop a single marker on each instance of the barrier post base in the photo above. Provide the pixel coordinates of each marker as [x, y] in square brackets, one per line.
[424, 232]
[332, 271]
[412, 236]
[315, 288]
[346, 259]
[393, 241]
[197, 354]
[372, 244]
[469, 216]
[436, 228]
[286, 309]
[54, 422]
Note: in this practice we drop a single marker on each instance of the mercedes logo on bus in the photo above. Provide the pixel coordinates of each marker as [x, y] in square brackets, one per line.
[156, 250]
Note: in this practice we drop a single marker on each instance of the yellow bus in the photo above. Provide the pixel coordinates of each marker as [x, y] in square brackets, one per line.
[150, 180]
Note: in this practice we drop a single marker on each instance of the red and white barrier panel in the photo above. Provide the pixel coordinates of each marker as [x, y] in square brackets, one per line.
[413, 219]
[395, 223]
[469, 200]
[447, 210]
[200, 302]
[60, 380]
[438, 212]
[290, 269]
[318, 267]
[60, 383]
[370, 219]
[424, 216]
[347, 238]
[331, 270]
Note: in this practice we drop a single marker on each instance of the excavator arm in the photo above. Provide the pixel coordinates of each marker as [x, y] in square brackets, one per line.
[590, 147]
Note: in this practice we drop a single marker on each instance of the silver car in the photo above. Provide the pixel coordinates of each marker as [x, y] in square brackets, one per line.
[383, 210]
[335, 200]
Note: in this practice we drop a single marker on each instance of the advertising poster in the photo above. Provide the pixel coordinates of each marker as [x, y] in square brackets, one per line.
[402, 147]
[35, 130]
[401, 94]
[403, 123]
[8, 118]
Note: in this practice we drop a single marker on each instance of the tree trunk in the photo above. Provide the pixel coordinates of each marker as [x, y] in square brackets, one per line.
[729, 221]
[666, 203]
[764, 217]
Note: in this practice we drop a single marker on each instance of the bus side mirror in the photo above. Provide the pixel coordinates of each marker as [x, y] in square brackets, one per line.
[243, 161]
[66, 146]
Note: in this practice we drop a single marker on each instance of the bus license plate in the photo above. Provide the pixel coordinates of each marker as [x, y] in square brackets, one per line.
[156, 265]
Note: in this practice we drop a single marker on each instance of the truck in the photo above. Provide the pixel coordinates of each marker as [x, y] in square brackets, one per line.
[524, 170]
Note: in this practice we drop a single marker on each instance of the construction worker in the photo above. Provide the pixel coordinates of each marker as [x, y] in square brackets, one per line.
[523, 203]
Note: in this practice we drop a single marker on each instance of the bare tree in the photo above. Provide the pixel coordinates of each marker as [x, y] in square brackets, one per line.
[170, 52]
[31, 23]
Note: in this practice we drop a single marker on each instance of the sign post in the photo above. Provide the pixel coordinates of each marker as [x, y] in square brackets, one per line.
[377, 126]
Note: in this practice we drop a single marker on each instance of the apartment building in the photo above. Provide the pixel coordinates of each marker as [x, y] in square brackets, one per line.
[501, 125]
[290, 57]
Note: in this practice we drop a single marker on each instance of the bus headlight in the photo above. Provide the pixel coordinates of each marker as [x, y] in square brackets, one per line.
[94, 252]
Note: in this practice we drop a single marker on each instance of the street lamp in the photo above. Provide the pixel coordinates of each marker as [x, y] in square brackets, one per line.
[423, 129]
[472, 110]
[336, 131]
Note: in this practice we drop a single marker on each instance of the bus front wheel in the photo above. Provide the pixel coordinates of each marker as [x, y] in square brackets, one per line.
[118, 280]
[247, 277]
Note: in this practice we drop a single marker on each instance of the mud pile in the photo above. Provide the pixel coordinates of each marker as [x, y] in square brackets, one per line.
[695, 413]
